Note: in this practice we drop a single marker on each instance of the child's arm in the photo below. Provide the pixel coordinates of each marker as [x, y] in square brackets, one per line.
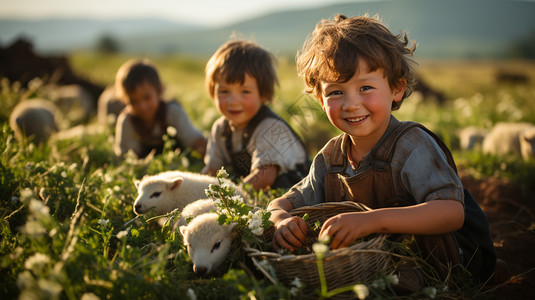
[433, 217]
[290, 231]
[262, 177]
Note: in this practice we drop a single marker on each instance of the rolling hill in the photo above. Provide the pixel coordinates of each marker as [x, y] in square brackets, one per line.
[453, 28]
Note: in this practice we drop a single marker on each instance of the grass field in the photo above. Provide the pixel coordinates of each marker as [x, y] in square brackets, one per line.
[66, 206]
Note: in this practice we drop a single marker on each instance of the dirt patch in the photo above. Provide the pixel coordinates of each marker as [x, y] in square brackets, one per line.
[510, 209]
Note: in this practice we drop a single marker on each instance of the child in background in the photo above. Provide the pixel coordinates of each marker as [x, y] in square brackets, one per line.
[249, 139]
[146, 117]
[360, 72]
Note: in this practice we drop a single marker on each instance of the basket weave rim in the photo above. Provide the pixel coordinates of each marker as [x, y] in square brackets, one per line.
[365, 246]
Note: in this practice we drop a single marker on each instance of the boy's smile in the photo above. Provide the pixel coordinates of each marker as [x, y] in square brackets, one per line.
[239, 103]
[361, 106]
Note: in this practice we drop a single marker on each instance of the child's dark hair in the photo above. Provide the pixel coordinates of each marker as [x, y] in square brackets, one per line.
[234, 59]
[333, 50]
[133, 73]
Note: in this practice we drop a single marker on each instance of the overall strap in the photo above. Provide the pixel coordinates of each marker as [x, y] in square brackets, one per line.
[385, 150]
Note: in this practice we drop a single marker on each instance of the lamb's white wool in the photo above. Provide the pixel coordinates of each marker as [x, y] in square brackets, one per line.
[109, 106]
[196, 208]
[171, 190]
[208, 242]
[74, 101]
[472, 137]
[508, 137]
[527, 143]
[35, 119]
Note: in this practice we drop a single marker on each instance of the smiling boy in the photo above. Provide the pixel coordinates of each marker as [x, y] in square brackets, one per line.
[249, 139]
[360, 72]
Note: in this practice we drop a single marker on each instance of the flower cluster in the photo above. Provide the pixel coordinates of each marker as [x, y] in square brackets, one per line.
[250, 222]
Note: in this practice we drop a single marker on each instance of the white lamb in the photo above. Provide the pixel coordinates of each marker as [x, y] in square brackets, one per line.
[195, 208]
[516, 138]
[171, 190]
[472, 137]
[36, 119]
[208, 242]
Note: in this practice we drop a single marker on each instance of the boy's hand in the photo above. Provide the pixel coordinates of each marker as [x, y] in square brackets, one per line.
[289, 233]
[344, 229]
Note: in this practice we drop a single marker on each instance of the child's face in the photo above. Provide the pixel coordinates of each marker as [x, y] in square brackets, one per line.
[361, 106]
[144, 100]
[239, 103]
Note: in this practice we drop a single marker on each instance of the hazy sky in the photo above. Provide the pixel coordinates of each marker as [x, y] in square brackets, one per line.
[204, 12]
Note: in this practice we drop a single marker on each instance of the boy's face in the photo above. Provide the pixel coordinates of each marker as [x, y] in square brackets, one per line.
[239, 103]
[144, 100]
[361, 106]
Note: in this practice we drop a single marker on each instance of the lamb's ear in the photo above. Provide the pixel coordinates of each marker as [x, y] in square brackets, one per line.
[183, 230]
[230, 227]
[174, 183]
[137, 183]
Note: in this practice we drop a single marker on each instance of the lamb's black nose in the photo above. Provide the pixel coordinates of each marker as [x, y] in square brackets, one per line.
[138, 208]
[200, 270]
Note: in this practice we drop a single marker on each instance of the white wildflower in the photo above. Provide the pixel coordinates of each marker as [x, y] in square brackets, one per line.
[255, 224]
[237, 198]
[122, 234]
[320, 249]
[171, 131]
[361, 291]
[52, 289]
[222, 173]
[34, 228]
[37, 262]
[104, 222]
[430, 292]
[38, 208]
[379, 283]
[297, 283]
[392, 279]
[63, 174]
[191, 294]
[73, 167]
[107, 178]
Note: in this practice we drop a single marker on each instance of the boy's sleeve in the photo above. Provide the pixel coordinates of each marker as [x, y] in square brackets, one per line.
[273, 143]
[214, 157]
[310, 190]
[426, 173]
[125, 136]
[186, 132]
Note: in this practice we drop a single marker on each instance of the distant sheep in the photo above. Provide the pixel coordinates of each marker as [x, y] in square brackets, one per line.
[74, 101]
[171, 190]
[472, 137]
[196, 208]
[35, 119]
[516, 138]
[207, 241]
[109, 106]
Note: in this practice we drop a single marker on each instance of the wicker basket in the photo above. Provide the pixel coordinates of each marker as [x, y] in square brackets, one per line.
[342, 267]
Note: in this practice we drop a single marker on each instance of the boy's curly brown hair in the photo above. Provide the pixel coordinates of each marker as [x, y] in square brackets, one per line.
[333, 50]
[236, 58]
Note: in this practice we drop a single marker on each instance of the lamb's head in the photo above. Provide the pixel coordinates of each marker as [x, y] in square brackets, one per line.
[156, 193]
[527, 143]
[208, 242]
